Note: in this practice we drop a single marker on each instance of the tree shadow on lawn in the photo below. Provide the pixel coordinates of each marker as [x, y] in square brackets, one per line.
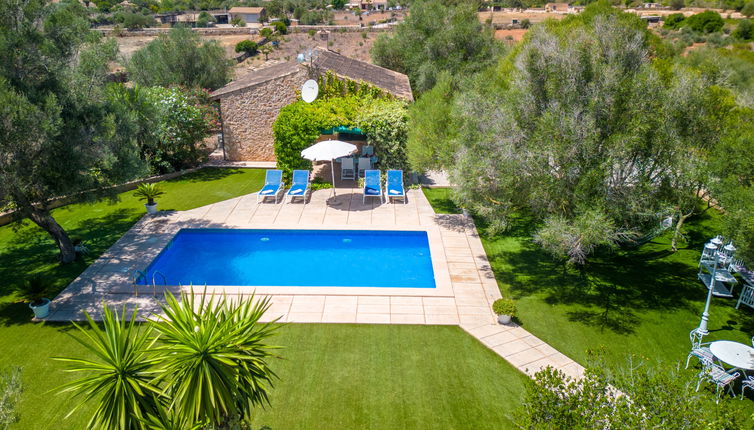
[207, 174]
[31, 250]
[612, 288]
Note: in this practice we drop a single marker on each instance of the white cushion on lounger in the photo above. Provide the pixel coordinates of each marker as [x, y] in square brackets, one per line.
[395, 192]
[267, 191]
[298, 191]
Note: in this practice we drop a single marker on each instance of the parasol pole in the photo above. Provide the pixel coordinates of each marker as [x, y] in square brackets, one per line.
[332, 168]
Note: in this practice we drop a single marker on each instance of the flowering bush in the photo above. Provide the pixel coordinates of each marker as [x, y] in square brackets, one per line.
[186, 118]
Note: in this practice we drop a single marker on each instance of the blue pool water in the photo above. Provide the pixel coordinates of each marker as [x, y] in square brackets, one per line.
[305, 258]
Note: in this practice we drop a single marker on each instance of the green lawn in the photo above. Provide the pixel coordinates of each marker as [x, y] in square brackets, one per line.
[331, 376]
[25, 248]
[642, 301]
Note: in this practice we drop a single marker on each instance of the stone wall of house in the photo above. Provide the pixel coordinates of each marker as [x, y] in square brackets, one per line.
[248, 115]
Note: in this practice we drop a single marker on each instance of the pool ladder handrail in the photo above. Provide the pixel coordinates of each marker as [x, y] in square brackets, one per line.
[154, 283]
[135, 276]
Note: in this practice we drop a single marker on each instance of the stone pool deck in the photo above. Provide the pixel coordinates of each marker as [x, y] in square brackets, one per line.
[466, 286]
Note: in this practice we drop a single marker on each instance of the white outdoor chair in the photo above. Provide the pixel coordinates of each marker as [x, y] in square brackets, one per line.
[698, 349]
[365, 163]
[347, 170]
[715, 374]
[747, 296]
[708, 254]
[747, 383]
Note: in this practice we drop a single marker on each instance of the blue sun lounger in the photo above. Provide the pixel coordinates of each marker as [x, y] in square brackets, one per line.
[395, 185]
[273, 184]
[372, 185]
[300, 185]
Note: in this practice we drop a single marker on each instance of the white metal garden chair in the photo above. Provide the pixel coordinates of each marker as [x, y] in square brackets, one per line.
[698, 349]
[715, 374]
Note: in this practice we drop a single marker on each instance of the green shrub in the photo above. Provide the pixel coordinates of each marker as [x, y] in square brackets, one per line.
[748, 9]
[237, 21]
[296, 128]
[134, 21]
[320, 184]
[744, 30]
[248, 46]
[705, 22]
[34, 289]
[265, 32]
[311, 33]
[674, 21]
[280, 27]
[385, 122]
[205, 20]
[504, 307]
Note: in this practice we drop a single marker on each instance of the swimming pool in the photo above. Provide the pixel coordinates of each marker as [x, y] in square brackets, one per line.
[301, 258]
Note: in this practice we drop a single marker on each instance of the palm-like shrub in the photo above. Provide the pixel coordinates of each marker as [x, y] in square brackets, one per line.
[215, 357]
[148, 191]
[119, 379]
[203, 363]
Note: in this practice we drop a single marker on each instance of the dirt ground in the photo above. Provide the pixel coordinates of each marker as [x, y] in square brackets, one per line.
[504, 17]
[348, 18]
[514, 35]
[351, 44]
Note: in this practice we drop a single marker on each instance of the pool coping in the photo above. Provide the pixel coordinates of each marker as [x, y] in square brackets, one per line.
[443, 286]
[466, 285]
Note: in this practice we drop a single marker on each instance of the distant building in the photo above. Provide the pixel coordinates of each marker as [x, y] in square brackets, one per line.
[250, 15]
[651, 6]
[251, 104]
[556, 7]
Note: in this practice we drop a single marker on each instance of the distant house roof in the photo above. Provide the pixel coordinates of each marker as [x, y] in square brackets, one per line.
[385, 79]
[257, 10]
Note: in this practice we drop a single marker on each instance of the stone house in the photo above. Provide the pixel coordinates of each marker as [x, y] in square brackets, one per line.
[251, 104]
[250, 15]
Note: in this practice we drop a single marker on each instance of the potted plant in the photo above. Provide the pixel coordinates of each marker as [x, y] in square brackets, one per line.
[33, 291]
[149, 192]
[505, 310]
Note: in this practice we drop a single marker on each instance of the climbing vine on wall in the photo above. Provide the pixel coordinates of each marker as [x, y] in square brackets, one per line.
[385, 124]
[341, 103]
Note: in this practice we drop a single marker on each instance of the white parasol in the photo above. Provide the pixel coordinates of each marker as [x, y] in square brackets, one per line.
[329, 150]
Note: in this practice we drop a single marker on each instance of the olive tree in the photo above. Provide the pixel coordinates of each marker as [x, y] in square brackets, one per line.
[180, 57]
[59, 134]
[586, 134]
[436, 37]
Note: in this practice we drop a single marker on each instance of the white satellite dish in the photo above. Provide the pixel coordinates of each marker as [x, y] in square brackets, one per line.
[309, 91]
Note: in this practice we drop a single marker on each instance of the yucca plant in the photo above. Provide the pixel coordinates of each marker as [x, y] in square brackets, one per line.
[119, 380]
[214, 357]
[203, 364]
[148, 192]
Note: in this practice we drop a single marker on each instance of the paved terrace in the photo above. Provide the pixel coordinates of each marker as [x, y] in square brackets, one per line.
[465, 289]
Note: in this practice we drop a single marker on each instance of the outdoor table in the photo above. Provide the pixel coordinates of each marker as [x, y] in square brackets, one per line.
[735, 354]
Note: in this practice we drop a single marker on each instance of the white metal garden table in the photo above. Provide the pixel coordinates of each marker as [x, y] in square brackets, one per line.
[735, 354]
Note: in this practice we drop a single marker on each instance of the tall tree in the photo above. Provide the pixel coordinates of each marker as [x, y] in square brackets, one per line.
[180, 57]
[586, 134]
[57, 134]
[436, 36]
